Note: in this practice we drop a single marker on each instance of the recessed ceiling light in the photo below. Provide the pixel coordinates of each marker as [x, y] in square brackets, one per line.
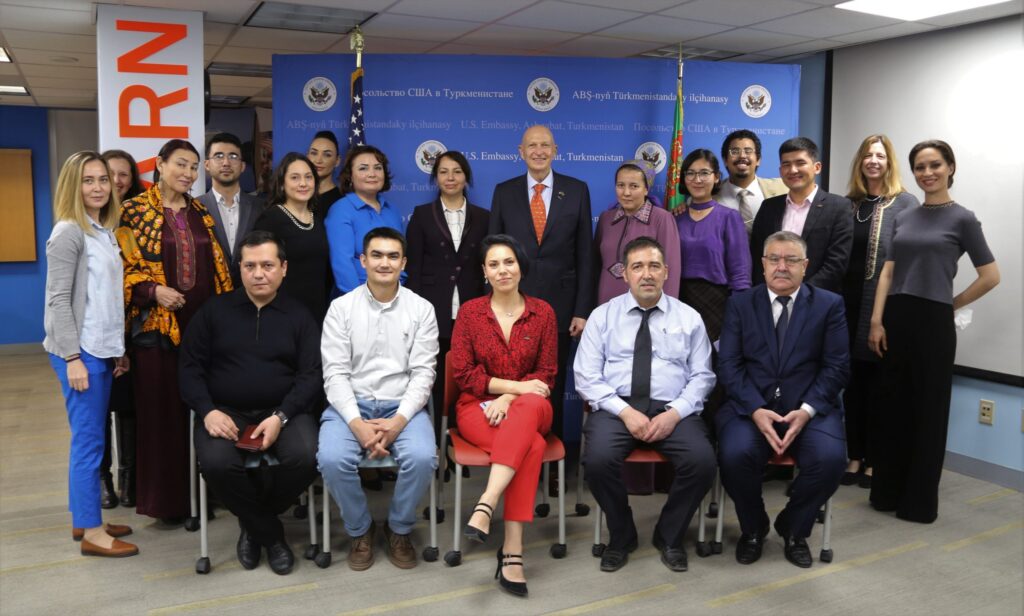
[218, 99]
[689, 53]
[63, 59]
[307, 18]
[914, 10]
[3, 55]
[14, 90]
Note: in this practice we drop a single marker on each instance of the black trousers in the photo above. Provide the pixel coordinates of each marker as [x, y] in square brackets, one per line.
[912, 414]
[688, 449]
[257, 496]
[558, 393]
[443, 346]
[857, 400]
[122, 404]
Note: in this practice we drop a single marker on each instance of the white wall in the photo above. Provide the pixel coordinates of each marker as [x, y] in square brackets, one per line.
[964, 86]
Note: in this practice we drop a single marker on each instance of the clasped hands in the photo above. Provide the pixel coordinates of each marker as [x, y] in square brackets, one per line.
[646, 429]
[376, 435]
[791, 424]
[497, 410]
[220, 425]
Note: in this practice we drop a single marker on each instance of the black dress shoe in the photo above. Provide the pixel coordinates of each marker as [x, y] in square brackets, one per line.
[671, 557]
[126, 481]
[849, 478]
[280, 557]
[108, 497]
[613, 559]
[750, 546]
[796, 550]
[517, 589]
[864, 481]
[248, 550]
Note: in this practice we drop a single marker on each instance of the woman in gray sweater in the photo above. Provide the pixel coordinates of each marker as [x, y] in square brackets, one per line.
[84, 323]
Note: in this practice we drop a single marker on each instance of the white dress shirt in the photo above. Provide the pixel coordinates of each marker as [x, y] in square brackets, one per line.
[548, 183]
[729, 195]
[777, 309]
[379, 351]
[102, 332]
[456, 220]
[229, 214]
[680, 358]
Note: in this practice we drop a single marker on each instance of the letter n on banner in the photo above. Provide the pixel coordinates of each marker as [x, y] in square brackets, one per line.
[150, 67]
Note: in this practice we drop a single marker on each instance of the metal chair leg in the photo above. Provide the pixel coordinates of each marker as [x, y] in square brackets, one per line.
[454, 557]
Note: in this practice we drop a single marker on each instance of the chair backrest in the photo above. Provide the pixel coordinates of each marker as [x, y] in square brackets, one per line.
[451, 388]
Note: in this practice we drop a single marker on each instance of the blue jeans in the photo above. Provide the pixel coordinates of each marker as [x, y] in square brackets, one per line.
[87, 415]
[340, 453]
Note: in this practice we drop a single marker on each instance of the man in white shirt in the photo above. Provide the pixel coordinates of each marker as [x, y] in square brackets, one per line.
[234, 212]
[379, 348]
[744, 190]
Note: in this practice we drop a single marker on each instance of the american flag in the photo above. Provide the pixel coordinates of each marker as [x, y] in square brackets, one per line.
[356, 131]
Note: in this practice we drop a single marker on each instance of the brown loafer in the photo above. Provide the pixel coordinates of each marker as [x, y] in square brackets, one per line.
[360, 553]
[399, 549]
[114, 530]
[119, 549]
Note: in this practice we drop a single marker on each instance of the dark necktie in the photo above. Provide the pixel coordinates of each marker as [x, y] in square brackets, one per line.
[783, 323]
[640, 388]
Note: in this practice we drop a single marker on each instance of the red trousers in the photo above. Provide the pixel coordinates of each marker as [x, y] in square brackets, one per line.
[517, 442]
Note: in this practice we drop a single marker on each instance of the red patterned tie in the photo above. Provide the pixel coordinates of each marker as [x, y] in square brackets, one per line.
[540, 218]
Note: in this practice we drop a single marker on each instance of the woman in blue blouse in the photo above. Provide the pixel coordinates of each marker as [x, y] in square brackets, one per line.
[364, 176]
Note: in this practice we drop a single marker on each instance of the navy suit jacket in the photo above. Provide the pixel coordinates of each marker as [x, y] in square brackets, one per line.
[561, 265]
[248, 211]
[813, 366]
[435, 267]
[828, 232]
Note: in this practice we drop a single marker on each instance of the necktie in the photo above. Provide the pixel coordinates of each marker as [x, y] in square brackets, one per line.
[746, 211]
[640, 388]
[540, 218]
[783, 323]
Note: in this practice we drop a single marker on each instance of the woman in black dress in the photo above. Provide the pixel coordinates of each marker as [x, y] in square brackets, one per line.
[326, 157]
[290, 214]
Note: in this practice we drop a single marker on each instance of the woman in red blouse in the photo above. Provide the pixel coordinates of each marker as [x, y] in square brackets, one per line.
[504, 357]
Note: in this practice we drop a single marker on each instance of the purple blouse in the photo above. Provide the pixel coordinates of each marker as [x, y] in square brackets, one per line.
[716, 249]
[615, 229]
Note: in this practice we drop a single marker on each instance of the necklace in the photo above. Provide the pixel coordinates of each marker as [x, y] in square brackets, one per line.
[935, 206]
[300, 225]
[871, 215]
[510, 313]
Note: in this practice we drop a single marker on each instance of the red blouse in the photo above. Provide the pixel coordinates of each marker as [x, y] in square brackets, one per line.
[480, 353]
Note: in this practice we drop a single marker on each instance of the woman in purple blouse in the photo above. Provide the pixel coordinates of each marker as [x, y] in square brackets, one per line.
[715, 251]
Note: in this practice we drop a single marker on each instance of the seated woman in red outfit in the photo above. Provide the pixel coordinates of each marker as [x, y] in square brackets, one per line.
[504, 357]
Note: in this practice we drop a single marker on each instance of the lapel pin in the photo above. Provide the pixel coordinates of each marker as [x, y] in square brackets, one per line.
[561, 194]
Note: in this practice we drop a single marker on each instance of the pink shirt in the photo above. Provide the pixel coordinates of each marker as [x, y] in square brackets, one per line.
[796, 213]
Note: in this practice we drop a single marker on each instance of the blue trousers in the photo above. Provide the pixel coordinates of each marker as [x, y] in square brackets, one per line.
[87, 414]
[340, 453]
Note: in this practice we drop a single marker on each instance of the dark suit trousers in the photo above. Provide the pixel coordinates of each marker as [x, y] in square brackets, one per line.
[257, 496]
[743, 453]
[558, 393]
[688, 450]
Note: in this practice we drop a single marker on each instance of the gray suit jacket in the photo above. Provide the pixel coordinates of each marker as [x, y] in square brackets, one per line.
[249, 211]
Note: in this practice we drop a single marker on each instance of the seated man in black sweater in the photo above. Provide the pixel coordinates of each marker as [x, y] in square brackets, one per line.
[252, 357]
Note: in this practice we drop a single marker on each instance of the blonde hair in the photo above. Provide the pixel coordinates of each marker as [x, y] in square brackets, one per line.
[68, 203]
[891, 184]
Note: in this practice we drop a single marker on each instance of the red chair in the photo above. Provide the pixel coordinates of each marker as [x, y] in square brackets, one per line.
[468, 454]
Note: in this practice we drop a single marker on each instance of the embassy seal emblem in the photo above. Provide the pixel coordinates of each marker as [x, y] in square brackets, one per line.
[542, 94]
[755, 101]
[319, 94]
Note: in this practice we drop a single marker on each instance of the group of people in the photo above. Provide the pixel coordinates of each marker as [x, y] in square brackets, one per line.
[750, 322]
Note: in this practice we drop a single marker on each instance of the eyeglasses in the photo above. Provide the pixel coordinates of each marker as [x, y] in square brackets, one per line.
[791, 261]
[703, 174]
[738, 151]
[220, 156]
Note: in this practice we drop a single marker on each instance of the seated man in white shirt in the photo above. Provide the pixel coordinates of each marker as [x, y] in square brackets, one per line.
[644, 366]
[379, 348]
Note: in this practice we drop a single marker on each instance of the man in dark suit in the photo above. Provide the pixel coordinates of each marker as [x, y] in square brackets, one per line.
[233, 211]
[549, 213]
[822, 219]
[783, 361]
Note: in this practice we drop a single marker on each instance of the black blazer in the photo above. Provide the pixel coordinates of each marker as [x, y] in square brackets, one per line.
[561, 266]
[249, 208]
[435, 268]
[828, 232]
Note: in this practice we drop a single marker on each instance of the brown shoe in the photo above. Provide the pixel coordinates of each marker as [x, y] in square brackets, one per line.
[119, 549]
[399, 549]
[114, 530]
[360, 553]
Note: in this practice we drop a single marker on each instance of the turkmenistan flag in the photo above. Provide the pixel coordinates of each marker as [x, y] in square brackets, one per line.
[675, 202]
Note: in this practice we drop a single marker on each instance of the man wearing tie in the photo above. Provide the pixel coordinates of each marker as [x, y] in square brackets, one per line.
[783, 361]
[549, 213]
[744, 190]
[644, 367]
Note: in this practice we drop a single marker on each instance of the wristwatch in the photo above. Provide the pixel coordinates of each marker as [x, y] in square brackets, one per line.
[282, 417]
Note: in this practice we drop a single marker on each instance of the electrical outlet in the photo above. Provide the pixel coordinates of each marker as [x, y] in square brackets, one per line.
[986, 412]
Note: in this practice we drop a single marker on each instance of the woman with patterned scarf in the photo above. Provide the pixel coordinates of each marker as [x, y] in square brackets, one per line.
[172, 264]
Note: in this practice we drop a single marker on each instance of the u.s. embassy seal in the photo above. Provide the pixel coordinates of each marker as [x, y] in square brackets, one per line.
[319, 94]
[427, 152]
[542, 94]
[755, 101]
[652, 152]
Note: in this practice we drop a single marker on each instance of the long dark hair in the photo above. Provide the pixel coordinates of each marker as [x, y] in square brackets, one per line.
[136, 188]
[277, 196]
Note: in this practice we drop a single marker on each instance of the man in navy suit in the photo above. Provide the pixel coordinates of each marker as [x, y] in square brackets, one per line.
[783, 360]
[549, 213]
[234, 212]
[823, 220]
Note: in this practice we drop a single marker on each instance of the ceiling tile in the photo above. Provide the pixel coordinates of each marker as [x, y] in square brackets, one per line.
[283, 40]
[8, 68]
[70, 92]
[238, 81]
[210, 52]
[38, 56]
[745, 40]
[52, 42]
[215, 33]
[737, 12]
[471, 10]
[521, 38]
[234, 91]
[81, 85]
[826, 23]
[477, 50]
[802, 48]
[662, 29]
[995, 11]
[246, 55]
[417, 28]
[47, 20]
[883, 33]
[67, 102]
[227, 11]
[603, 47]
[375, 6]
[381, 44]
[752, 58]
[568, 18]
[75, 5]
[643, 6]
[64, 71]
[22, 101]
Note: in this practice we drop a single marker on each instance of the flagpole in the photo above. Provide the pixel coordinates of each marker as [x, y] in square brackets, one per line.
[356, 42]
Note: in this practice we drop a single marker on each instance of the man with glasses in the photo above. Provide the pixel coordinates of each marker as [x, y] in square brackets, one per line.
[233, 211]
[822, 219]
[744, 190]
[783, 360]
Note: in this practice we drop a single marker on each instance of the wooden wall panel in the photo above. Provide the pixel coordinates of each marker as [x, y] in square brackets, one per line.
[17, 207]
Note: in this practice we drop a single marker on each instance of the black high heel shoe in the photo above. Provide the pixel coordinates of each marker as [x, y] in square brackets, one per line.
[475, 534]
[505, 560]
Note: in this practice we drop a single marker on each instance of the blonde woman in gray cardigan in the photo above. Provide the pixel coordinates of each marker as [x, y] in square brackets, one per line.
[84, 323]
